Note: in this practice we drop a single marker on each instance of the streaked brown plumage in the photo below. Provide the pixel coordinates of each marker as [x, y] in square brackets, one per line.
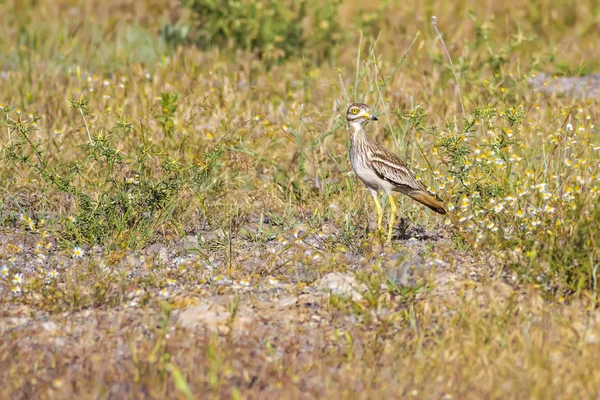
[380, 169]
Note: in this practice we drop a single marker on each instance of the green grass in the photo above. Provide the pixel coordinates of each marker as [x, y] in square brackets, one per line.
[120, 137]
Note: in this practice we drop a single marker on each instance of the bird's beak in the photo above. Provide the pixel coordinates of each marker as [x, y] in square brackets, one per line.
[368, 117]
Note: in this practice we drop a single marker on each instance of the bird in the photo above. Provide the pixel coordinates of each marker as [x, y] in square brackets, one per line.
[381, 170]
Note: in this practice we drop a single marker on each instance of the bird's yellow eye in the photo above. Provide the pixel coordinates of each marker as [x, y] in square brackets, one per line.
[354, 111]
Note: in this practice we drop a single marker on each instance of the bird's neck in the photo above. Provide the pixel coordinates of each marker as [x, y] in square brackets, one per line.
[357, 133]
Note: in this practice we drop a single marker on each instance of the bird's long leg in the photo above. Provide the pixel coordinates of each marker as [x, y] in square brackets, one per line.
[379, 209]
[392, 216]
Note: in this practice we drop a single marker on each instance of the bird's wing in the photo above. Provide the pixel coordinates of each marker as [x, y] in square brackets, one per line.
[389, 167]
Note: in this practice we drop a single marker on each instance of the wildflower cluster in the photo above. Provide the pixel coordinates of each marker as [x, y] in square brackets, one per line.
[515, 189]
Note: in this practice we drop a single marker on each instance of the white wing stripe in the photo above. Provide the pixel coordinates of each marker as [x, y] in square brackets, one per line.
[388, 163]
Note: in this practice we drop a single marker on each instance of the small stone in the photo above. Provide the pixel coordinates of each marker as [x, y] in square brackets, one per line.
[591, 337]
[50, 326]
[578, 326]
[133, 261]
[58, 383]
[408, 272]
[341, 285]
[223, 330]
[288, 301]
[157, 250]
[207, 315]
[14, 322]
[163, 255]
[303, 274]
[191, 242]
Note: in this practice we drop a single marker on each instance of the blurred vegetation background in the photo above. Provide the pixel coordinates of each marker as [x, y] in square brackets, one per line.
[321, 31]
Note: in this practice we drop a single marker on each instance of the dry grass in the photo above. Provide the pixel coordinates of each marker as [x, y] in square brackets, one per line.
[159, 178]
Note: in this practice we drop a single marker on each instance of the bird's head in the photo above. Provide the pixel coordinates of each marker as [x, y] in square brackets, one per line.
[358, 113]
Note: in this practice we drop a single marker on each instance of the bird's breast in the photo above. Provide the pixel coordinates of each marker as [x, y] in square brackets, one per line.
[365, 173]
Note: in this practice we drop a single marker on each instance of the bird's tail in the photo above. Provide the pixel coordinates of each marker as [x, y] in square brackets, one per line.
[430, 200]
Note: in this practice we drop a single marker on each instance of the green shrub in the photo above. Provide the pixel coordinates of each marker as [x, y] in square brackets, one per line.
[275, 29]
[113, 197]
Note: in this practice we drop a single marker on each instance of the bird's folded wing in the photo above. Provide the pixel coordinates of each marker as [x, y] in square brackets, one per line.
[389, 167]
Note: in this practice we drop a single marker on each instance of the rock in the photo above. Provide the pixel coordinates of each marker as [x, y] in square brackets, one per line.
[153, 249]
[341, 285]
[50, 326]
[163, 255]
[303, 274]
[408, 272]
[223, 330]
[191, 242]
[591, 337]
[159, 251]
[215, 318]
[7, 324]
[204, 315]
[288, 301]
[132, 261]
